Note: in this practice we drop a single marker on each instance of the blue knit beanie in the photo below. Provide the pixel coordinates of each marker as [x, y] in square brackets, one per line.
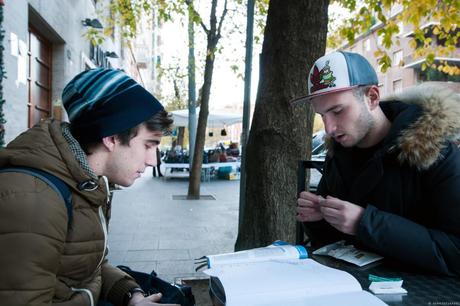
[104, 102]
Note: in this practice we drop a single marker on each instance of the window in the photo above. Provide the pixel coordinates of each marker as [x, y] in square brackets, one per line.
[379, 40]
[397, 58]
[401, 28]
[367, 45]
[381, 89]
[397, 86]
[396, 9]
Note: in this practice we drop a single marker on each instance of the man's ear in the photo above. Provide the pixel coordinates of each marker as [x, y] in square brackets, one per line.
[109, 143]
[373, 97]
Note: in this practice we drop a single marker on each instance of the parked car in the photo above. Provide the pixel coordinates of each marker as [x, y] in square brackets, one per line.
[318, 153]
[317, 140]
[319, 150]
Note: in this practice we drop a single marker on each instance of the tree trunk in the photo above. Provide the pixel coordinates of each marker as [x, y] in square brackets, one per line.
[280, 136]
[195, 173]
[213, 36]
[191, 85]
[2, 76]
[180, 136]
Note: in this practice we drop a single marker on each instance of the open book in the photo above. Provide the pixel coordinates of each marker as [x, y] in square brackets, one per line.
[282, 275]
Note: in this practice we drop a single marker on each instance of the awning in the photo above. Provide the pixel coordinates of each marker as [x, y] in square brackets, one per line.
[215, 119]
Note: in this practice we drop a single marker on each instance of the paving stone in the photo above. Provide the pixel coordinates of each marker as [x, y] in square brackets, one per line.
[137, 245]
[151, 231]
[142, 266]
[179, 267]
[116, 257]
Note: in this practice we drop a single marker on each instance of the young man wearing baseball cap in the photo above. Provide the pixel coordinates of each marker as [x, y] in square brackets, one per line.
[54, 255]
[391, 179]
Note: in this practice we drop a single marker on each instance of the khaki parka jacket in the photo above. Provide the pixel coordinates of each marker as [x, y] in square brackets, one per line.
[42, 260]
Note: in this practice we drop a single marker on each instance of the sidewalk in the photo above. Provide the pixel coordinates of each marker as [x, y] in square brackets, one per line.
[151, 231]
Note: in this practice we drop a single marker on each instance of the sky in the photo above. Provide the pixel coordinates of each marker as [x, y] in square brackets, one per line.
[227, 88]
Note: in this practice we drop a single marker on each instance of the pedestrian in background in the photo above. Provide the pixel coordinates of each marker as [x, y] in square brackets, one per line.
[156, 168]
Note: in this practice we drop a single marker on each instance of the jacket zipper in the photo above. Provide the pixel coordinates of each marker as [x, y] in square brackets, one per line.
[87, 291]
[103, 221]
[104, 230]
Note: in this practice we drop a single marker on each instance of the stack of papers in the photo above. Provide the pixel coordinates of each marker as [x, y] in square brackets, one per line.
[348, 253]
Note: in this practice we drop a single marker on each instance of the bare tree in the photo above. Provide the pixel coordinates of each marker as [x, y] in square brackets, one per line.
[213, 34]
[280, 136]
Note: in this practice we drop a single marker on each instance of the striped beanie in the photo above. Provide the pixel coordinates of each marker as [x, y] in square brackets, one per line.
[104, 102]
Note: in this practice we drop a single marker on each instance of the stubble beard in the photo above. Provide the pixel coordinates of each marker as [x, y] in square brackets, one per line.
[365, 124]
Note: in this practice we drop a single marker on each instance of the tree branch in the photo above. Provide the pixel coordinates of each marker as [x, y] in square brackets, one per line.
[222, 17]
[192, 8]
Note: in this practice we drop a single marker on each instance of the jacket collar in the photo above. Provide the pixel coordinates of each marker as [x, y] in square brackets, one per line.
[423, 118]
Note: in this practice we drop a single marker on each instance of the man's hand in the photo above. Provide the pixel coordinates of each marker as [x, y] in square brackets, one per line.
[308, 207]
[139, 300]
[342, 215]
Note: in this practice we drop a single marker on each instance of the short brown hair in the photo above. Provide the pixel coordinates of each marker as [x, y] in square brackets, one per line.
[160, 122]
[361, 91]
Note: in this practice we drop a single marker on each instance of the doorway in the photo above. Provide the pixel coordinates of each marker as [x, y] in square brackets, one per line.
[39, 78]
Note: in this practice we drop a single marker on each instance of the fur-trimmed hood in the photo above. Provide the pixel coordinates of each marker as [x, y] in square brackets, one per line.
[421, 143]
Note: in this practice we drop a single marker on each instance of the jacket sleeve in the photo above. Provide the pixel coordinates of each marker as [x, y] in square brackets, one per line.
[33, 227]
[434, 246]
[115, 284]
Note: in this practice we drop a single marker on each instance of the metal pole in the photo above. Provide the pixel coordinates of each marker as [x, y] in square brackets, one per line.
[191, 87]
[246, 106]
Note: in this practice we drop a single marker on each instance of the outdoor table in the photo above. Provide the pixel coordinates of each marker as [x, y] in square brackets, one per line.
[205, 167]
[422, 288]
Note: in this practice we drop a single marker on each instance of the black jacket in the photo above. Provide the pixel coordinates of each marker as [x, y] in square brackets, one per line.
[410, 186]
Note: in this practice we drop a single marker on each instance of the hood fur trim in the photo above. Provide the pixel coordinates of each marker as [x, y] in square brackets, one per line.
[421, 143]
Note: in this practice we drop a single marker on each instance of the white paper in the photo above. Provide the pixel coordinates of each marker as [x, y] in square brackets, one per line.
[289, 283]
[361, 298]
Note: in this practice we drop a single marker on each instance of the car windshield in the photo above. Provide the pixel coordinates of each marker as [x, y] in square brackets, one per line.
[317, 139]
[318, 151]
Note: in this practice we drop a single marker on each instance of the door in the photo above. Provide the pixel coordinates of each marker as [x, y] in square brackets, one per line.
[39, 78]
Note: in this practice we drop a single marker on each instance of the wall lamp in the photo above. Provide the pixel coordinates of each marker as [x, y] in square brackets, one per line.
[110, 54]
[94, 23]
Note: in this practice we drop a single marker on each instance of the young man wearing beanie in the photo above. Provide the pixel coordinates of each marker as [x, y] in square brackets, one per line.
[391, 180]
[52, 255]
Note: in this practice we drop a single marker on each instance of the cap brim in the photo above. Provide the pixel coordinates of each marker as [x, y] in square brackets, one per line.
[312, 96]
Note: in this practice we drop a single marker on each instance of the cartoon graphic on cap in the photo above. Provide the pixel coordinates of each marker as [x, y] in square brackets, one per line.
[323, 78]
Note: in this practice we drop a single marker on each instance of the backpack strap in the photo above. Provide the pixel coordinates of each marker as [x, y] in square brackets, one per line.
[53, 181]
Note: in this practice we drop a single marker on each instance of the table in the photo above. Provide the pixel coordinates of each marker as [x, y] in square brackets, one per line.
[206, 168]
[423, 289]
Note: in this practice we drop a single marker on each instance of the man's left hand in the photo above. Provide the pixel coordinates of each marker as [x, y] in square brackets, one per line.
[342, 215]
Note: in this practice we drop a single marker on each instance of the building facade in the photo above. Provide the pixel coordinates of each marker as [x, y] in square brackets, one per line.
[406, 69]
[45, 46]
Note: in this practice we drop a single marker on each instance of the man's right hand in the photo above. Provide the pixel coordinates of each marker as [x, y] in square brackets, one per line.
[308, 207]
